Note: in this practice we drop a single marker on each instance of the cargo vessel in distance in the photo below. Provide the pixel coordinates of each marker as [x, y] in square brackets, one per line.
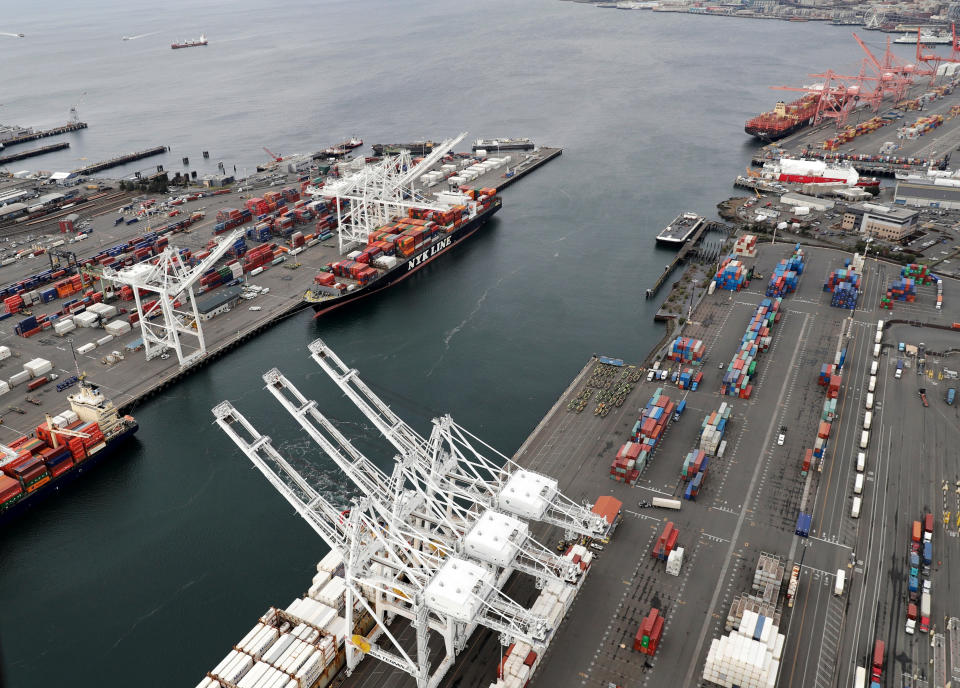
[62, 449]
[784, 119]
[190, 44]
[677, 232]
[416, 148]
[502, 144]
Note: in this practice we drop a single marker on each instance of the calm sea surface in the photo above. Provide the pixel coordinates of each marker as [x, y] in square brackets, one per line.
[151, 568]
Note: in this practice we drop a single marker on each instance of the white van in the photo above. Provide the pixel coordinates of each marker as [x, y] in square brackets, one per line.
[650, 375]
[855, 509]
[873, 367]
[839, 582]
[864, 439]
[858, 484]
[867, 420]
[872, 386]
[876, 351]
[861, 461]
[869, 402]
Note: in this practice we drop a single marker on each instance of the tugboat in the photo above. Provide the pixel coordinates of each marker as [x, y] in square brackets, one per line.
[190, 44]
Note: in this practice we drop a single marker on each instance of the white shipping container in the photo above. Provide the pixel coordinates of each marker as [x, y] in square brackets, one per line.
[4, 352]
[238, 668]
[19, 378]
[252, 678]
[117, 327]
[333, 594]
[225, 662]
[64, 326]
[256, 271]
[858, 484]
[38, 366]
[332, 563]
[105, 340]
[86, 319]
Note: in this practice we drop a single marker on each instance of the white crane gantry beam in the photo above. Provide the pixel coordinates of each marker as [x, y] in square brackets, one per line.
[447, 526]
[170, 279]
[448, 594]
[468, 475]
[373, 195]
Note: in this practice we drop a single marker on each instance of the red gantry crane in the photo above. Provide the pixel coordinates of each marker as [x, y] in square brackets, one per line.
[276, 158]
[838, 95]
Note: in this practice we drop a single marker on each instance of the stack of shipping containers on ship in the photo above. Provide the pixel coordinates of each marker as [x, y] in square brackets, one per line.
[686, 350]
[748, 657]
[757, 339]
[47, 456]
[786, 274]
[301, 647]
[732, 275]
[647, 432]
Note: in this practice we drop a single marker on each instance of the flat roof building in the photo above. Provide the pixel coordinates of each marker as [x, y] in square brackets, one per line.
[883, 221]
[929, 194]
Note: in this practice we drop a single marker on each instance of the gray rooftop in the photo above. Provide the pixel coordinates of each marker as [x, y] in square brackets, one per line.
[928, 192]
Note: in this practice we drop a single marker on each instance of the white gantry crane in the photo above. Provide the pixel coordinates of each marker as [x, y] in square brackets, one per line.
[452, 464]
[171, 280]
[493, 537]
[399, 565]
[376, 193]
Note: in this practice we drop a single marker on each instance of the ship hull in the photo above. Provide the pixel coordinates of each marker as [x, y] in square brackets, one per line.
[527, 145]
[63, 480]
[776, 134]
[403, 270]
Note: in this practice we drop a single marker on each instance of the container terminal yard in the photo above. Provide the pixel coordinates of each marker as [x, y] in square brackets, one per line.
[787, 511]
[74, 311]
[747, 506]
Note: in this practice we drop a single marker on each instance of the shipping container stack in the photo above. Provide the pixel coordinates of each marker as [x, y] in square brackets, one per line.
[666, 542]
[757, 339]
[902, 289]
[694, 486]
[746, 246]
[822, 439]
[748, 657]
[649, 633]
[686, 350]
[829, 410]
[712, 428]
[786, 274]
[694, 462]
[647, 432]
[689, 378]
[732, 274]
[844, 285]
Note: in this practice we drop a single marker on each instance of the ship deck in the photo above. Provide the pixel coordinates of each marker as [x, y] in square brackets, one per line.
[678, 231]
[750, 502]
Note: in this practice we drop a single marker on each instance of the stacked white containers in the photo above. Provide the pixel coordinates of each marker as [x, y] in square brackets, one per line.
[63, 326]
[675, 561]
[117, 327]
[748, 657]
[713, 427]
[102, 309]
[38, 367]
[86, 319]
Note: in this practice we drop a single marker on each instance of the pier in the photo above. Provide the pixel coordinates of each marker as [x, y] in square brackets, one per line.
[682, 254]
[121, 160]
[32, 152]
[56, 131]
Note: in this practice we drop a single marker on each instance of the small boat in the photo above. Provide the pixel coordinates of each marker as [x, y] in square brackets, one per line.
[190, 44]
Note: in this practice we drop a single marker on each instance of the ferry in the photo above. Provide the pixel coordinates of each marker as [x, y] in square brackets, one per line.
[677, 232]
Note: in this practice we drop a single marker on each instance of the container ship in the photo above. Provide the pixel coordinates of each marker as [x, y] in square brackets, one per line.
[417, 148]
[677, 232]
[784, 119]
[62, 449]
[190, 44]
[815, 172]
[502, 144]
[401, 247]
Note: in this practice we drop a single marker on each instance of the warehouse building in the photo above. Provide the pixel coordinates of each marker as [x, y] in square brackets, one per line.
[924, 194]
[221, 301]
[880, 221]
[811, 202]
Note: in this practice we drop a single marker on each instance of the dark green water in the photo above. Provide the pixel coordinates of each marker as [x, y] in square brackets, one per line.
[152, 567]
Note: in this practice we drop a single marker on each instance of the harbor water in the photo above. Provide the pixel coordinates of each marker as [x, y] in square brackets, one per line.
[149, 569]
